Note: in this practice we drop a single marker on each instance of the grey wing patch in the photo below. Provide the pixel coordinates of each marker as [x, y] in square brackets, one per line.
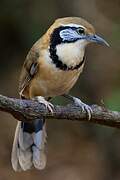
[33, 69]
[29, 70]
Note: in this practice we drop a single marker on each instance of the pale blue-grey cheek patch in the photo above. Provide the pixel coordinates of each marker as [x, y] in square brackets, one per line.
[69, 35]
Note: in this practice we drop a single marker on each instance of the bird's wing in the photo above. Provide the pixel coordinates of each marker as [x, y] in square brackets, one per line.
[29, 69]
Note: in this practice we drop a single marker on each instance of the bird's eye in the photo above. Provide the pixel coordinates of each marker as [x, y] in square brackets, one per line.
[81, 30]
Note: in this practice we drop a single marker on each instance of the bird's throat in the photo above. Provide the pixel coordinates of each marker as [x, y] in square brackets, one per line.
[68, 65]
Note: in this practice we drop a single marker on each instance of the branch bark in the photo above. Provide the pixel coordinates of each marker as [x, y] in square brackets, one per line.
[28, 110]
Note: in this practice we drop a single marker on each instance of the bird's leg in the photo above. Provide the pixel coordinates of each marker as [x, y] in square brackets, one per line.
[79, 103]
[47, 104]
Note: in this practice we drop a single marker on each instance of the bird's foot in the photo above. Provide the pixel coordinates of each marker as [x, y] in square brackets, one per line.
[47, 104]
[83, 106]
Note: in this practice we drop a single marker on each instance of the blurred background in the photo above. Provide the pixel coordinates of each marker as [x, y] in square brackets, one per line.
[75, 150]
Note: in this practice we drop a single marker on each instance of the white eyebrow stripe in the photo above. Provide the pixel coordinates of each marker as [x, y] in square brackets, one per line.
[73, 25]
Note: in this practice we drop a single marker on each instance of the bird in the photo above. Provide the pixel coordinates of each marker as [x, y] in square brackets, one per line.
[51, 68]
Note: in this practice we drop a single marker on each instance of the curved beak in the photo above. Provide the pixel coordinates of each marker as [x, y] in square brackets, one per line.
[97, 39]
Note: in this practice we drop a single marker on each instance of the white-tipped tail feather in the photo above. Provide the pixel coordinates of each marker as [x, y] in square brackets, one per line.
[29, 148]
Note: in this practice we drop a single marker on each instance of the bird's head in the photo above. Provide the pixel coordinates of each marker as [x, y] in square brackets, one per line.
[68, 38]
[72, 29]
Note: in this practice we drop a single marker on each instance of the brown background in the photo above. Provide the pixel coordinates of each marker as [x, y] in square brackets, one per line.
[76, 151]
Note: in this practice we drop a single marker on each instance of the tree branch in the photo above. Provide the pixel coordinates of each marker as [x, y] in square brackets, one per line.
[28, 110]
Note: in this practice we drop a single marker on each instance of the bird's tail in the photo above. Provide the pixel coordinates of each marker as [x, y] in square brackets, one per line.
[29, 146]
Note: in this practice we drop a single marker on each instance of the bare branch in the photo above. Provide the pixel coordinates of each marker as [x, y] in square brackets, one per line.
[28, 110]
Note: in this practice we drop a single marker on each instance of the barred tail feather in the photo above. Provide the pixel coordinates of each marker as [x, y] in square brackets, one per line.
[29, 146]
[14, 157]
[39, 156]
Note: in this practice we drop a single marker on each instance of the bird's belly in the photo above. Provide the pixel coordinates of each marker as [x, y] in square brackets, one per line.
[54, 83]
[60, 84]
